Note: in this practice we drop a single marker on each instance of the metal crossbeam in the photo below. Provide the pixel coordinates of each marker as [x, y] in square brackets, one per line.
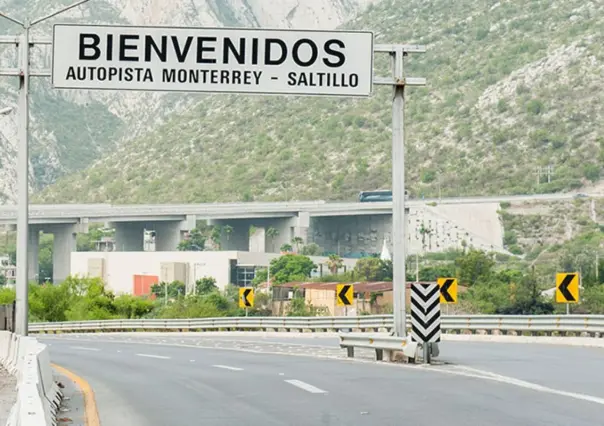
[32, 40]
[14, 72]
[391, 48]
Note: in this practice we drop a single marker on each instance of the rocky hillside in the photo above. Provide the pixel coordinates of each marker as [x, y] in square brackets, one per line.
[70, 130]
[511, 86]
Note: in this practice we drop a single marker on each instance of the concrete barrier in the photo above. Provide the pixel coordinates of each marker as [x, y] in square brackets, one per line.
[38, 396]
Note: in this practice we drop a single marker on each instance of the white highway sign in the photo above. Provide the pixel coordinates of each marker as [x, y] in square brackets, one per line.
[215, 60]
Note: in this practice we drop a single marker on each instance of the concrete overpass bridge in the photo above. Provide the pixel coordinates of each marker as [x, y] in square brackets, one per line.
[337, 227]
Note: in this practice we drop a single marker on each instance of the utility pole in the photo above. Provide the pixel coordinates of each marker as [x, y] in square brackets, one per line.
[25, 42]
[547, 171]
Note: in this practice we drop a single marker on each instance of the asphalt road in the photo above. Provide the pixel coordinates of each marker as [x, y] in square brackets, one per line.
[143, 384]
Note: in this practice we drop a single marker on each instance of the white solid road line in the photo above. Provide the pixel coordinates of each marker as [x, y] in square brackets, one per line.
[153, 356]
[487, 375]
[305, 386]
[84, 349]
[226, 367]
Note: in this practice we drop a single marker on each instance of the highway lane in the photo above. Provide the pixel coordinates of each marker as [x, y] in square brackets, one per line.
[573, 369]
[143, 384]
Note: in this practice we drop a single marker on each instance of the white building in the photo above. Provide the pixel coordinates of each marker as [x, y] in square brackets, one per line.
[7, 270]
[125, 271]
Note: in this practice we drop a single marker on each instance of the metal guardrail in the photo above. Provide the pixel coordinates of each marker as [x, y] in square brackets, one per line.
[592, 325]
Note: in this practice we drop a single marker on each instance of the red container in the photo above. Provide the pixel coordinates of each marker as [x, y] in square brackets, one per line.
[142, 284]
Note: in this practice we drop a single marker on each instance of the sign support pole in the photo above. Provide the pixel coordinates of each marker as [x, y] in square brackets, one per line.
[24, 73]
[399, 278]
[398, 81]
[427, 352]
[23, 189]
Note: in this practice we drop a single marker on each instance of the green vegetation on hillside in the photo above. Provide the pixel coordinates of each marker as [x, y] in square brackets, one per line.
[503, 97]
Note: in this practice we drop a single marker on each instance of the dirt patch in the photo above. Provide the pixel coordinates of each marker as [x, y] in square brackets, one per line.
[8, 394]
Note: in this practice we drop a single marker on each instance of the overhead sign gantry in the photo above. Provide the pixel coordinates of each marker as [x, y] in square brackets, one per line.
[215, 60]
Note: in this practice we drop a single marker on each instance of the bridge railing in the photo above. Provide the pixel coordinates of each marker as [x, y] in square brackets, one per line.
[591, 325]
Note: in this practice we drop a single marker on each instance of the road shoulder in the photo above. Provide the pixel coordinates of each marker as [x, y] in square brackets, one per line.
[78, 407]
[8, 394]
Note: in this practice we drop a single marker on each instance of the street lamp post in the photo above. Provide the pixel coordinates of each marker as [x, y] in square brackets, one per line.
[25, 42]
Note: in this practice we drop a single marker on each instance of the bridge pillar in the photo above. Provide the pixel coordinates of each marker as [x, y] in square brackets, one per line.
[167, 236]
[129, 236]
[33, 249]
[300, 226]
[64, 244]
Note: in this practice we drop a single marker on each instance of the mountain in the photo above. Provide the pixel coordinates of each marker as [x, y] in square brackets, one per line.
[512, 86]
[70, 130]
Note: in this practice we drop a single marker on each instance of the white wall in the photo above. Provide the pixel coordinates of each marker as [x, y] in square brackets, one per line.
[120, 267]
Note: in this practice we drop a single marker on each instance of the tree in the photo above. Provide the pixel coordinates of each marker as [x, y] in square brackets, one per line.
[334, 263]
[526, 299]
[297, 241]
[205, 285]
[386, 270]
[195, 241]
[593, 300]
[369, 268]
[216, 234]
[272, 233]
[286, 248]
[426, 232]
[90, 300]
[473, 266]
[432, 273]
[45, 267]
[175, 289]
[299, 308]
[311, 249]
[132, 307]
[261, 276]
[2, 280]
[228, 230]
[50, 302]
[252, 230]
[291, 267]
[96, 232]
[7, 296]
[214, 304]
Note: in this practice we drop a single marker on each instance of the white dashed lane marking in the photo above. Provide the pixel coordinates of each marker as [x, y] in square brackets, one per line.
[153, 356]
[305, 386]
[227, 367]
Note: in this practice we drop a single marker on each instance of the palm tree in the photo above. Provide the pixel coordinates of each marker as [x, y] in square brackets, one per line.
[286, 248]
[334, 262]
[228, 230]
[425, 231]
[297, 241]
[216, 234]
[272, 233]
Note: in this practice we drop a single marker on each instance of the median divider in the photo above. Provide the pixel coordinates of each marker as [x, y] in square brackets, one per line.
[38, 396]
